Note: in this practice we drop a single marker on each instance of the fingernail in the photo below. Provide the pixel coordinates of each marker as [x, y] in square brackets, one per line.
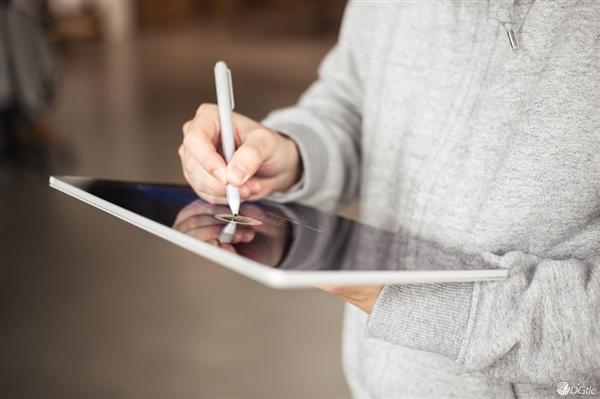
[244, 192]
[221, 175]
[238, 171]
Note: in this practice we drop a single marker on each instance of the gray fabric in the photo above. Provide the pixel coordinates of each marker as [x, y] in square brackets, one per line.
[26, 70]
[439, 327]
[444, 132]
[315, 163]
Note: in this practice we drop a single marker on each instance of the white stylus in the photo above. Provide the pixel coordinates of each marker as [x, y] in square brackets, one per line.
[226, 235]
[226, 104]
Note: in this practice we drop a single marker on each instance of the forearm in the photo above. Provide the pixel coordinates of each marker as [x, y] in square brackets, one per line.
[329, 158]
[539, 326]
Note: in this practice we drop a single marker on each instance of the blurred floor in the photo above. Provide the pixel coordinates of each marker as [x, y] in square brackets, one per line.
[94, 307]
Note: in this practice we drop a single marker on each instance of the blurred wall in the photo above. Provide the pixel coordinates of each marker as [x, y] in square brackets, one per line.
[118, 20]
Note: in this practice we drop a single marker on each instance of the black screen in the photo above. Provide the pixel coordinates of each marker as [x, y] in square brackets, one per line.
[287, 236]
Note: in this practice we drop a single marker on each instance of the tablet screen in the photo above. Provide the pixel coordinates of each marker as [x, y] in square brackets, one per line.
[285, 236]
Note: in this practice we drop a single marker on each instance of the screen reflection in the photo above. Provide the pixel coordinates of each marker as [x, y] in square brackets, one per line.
[252, 234]
[289, 236]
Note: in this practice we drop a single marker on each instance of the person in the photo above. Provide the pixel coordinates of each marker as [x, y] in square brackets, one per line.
[471, 124]
[27, 79]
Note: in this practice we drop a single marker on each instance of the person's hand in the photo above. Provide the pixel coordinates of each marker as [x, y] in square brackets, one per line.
[264, 162]
[363, 297]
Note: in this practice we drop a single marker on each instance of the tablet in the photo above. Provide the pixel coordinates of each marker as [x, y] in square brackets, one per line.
[280, 245]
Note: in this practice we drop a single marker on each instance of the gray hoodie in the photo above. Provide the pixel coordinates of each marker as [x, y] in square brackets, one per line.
[425, 112]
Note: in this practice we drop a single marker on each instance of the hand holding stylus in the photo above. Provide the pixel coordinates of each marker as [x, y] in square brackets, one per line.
[264, 162]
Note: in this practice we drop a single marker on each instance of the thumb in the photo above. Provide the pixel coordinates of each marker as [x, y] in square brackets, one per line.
[249, 157]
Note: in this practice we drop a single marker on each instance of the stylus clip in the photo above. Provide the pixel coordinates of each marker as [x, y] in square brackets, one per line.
[231, 100]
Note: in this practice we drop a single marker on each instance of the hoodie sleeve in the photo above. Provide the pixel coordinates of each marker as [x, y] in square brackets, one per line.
[326, 125]
[539, 326]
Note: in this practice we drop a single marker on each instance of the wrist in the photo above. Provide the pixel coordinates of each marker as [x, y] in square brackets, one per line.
[293, 169]
[363, 297]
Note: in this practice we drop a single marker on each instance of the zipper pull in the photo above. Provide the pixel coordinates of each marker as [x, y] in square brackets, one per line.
[511, 36]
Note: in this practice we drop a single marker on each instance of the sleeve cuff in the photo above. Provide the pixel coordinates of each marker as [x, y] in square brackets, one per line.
[428, 317]
[314, 160]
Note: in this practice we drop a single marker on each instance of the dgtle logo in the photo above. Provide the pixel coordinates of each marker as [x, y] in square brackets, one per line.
[562, 388]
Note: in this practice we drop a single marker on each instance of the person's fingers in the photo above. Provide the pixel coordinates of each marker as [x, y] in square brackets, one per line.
[226, 247]
[197, 207]
[213, 231]
[254, 185]
[210, 185]
[222, 200]
[261, 187]
[205, 168]
[206, 233]
[257, 147]
[243, 234]
[197, 186]
[204, 184]
[206, 120]
[212, 199]
[246, 235]
[201, 149]
[196, 221]
[202, 146]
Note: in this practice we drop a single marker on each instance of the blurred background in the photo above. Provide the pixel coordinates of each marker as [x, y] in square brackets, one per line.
[91, 306]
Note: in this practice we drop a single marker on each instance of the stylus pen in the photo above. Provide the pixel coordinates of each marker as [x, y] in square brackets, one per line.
[226, 235]
[226, 104]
